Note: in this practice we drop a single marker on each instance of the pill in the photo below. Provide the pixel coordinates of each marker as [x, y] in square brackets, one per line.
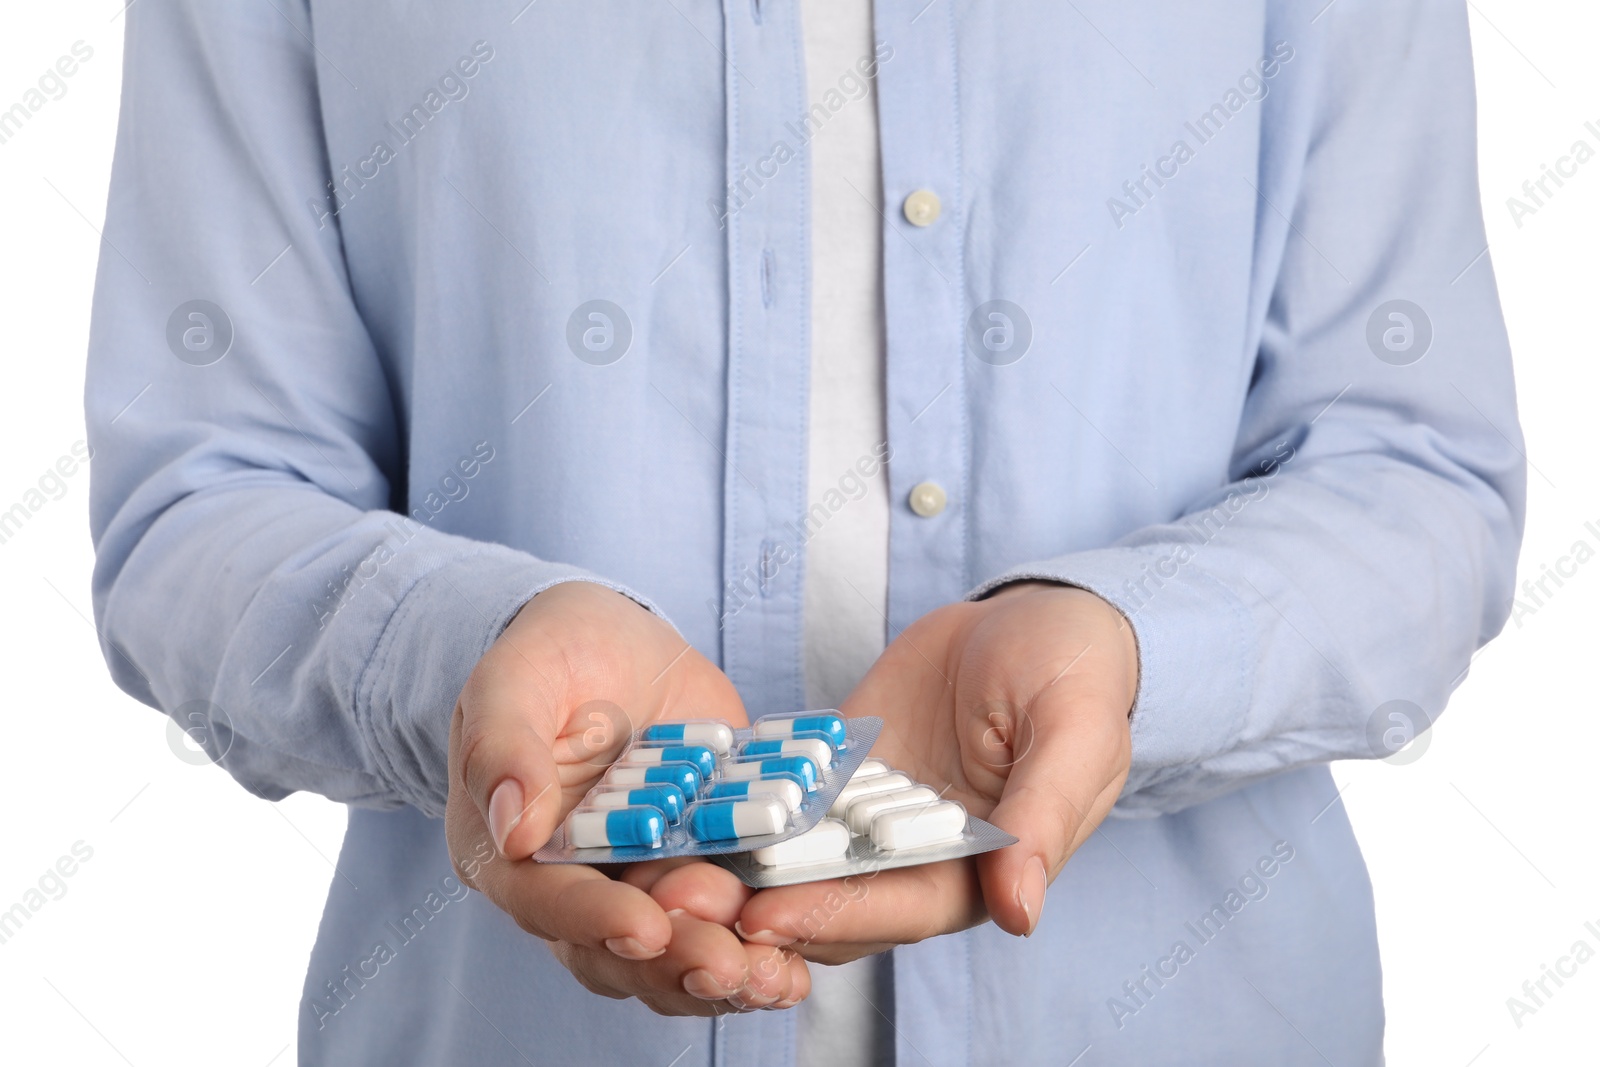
[722, 820]
[927, 824]
[785, 789]
[617, 826]
[683, 775]
[666, 798]
[830, 726]
[799, 766]
[828, 840]
[857, 788]
[870, 766]
[820, 751]
[717, 736]
[865, 809]
[701, 756]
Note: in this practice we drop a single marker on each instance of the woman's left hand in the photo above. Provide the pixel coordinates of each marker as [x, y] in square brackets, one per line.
[1018, 707]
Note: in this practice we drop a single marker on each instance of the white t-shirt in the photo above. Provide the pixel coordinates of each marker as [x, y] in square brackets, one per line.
[845, 1020]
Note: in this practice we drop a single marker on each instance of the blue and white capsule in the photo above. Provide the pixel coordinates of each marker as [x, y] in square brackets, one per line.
[700, 755]
[801, 767]
[634, 827]
[785, 787]
[813, 745]
[725, 820]
[668, 799]
[827, 724]
[714, 734]
[686, 776]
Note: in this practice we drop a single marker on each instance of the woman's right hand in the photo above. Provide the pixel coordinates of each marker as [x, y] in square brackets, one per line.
[544, 713]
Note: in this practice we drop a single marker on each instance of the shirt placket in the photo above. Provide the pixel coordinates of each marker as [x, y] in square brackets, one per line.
[926, 392]
[927, 420]
[767, 216]
[767, 230]
[766, 220]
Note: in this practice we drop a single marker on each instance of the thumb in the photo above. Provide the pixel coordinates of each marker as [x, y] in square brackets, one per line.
[1056, 792]
[501, 758]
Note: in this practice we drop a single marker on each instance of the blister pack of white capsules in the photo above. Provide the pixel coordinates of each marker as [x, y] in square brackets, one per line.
[880, 820]
[704, 788]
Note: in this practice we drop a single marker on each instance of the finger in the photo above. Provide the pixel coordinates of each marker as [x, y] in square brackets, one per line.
[645, 874]
[799, 980]
[703, 961]
[574, 903]
[704, 890]
[901, 906]
[584, 964]
[771, 976]
[1055, 795]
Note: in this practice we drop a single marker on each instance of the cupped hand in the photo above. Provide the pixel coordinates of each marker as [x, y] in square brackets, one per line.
[544, 713]
[1018, 707]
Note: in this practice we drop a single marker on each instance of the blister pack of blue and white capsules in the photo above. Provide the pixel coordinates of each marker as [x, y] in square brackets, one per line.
[880, 820]
[705, 788]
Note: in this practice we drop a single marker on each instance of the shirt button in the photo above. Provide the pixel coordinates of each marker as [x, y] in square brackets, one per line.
[921, 208]
[927, 499]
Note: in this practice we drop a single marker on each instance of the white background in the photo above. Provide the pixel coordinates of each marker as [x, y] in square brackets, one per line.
[184, 939]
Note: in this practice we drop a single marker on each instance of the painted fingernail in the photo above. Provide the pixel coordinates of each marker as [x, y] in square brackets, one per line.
[505, 811]
[704, 985]
[763, 937]
[1030, 893]
[631, 948]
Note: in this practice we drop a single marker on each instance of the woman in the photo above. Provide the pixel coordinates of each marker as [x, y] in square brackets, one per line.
[1130, 379]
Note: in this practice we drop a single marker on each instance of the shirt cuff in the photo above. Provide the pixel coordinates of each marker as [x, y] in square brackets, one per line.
[438, 631]
[1197, 652]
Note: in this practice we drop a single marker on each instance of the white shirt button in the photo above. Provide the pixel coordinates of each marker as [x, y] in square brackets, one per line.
[922, 208]
[927, 499]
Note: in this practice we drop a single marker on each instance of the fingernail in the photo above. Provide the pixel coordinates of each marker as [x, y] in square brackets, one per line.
[704, 985]
[505, 811]
[744, 999]
[763, 937]
[631, 948]
[1030, 893]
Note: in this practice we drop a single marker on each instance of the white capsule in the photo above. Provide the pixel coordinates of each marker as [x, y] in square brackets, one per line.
[857, 788]
[915, 827]
[828, 840]
[865, 809]
[870, 767]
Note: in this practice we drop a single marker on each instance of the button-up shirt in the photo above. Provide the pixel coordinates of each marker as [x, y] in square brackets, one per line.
[406, 312]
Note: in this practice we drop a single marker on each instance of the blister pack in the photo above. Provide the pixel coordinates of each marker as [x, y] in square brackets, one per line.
[880, 820]
[705, 788]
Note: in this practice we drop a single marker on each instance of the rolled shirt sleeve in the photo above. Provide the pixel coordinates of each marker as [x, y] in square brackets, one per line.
[251, 578]
[1366, 545]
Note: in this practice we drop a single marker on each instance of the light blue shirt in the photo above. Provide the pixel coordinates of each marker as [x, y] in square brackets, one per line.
[354, 258]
